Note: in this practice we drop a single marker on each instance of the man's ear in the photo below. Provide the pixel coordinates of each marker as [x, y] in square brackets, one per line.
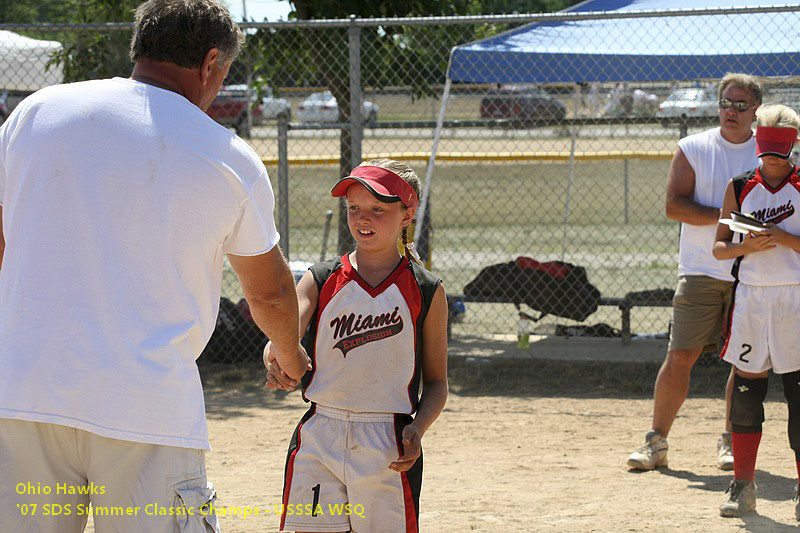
[209, 63]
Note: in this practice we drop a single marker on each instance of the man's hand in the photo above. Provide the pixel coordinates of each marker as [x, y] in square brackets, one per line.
[277, 377]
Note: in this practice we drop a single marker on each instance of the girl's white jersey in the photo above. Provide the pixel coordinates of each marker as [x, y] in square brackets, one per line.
[779, 265]
[366, 342]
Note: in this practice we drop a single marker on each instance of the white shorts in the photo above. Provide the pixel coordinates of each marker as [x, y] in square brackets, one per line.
[764, 332]
[338, 477]
[49, 474]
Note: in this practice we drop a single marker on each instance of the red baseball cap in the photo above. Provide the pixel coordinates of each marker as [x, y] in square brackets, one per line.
[384, 185]
[775, 141]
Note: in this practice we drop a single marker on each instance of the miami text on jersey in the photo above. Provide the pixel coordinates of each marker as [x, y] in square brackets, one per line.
[775, 214]
[378, 327]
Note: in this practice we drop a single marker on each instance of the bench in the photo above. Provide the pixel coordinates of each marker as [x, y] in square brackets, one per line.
[626, 304]
[623, 304]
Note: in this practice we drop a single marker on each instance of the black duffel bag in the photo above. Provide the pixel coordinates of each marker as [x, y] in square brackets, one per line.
[552, 288]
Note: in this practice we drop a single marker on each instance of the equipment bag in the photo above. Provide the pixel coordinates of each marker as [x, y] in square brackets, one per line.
[552, 288]
[236, 338]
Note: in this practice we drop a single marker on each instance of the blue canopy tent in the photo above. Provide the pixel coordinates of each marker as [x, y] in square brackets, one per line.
[601, 41]
[601, 50]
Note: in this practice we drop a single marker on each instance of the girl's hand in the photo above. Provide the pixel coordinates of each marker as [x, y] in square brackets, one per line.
[776, 233]
[758, 242]
[412, 448]
[276, 377]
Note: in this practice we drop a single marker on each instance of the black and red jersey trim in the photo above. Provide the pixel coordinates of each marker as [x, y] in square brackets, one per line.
[328, 285]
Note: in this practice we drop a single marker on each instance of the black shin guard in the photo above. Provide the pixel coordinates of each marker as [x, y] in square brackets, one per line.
[747, 404]
[791, 390]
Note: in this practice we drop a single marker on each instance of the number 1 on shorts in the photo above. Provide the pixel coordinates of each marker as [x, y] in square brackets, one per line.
[315, 490]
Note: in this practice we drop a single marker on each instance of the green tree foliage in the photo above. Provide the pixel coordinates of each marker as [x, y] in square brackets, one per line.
[86, 54]
[16, 11]
[410, 56]
[96, 54]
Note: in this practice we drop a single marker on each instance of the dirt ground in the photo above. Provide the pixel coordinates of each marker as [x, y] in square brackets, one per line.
[507, 461]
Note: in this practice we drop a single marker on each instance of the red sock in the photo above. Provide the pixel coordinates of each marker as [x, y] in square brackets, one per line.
[745, 449]
[798, 468]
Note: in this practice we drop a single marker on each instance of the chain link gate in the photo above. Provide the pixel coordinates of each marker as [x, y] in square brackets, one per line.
[556, 171]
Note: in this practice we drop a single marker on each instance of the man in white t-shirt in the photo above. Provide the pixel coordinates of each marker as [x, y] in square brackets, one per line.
[700, 171]
[120, 200]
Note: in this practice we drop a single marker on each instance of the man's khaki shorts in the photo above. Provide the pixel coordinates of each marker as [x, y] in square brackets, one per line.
[699, 313]
[49, 474]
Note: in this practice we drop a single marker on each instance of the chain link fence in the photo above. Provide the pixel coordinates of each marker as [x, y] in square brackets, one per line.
[562, 171]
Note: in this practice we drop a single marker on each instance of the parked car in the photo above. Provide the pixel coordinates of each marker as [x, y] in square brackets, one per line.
[521, 105]
[273, 108]
[637, 103]
[323, 107]
[696, 103]
[229, 108]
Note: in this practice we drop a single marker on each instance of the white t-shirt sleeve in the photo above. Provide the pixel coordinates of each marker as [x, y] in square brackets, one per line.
[3, 145]
[255, 232]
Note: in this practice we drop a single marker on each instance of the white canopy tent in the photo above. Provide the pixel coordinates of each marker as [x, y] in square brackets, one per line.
[24, 63]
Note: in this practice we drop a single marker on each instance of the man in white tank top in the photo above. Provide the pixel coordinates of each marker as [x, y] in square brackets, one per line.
[698, 175]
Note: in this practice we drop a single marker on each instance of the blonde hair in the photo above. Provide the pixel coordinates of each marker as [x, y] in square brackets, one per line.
[777, 116]
[410, 177]
[743, 81]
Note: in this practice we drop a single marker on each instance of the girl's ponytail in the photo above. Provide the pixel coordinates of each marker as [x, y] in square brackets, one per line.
[410, 249]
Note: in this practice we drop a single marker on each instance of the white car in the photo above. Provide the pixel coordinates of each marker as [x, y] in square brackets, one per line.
[322, 107]
[272, 108]
[690, 103]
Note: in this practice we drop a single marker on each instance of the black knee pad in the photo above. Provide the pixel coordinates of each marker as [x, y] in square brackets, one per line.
[791, 390]
[747, 404]
[791, 387]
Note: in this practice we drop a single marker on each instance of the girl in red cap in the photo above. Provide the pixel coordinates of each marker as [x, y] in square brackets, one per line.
[763, 332]
[376, 329]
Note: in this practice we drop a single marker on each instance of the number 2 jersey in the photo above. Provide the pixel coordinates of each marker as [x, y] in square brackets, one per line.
[779, 265]
[366, 342]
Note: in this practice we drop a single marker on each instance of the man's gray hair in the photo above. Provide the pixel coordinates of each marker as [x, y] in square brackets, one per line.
[183, 31]
[743, 81]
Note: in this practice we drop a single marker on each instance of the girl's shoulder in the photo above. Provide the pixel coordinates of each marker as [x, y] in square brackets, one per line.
[427, 280]
[422, 273]
[322, 271]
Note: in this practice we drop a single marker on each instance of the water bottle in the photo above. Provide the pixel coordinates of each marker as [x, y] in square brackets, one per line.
[523, 335]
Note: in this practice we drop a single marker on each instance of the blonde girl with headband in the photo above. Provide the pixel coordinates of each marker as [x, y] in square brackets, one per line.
[762, 332]
[375, 327]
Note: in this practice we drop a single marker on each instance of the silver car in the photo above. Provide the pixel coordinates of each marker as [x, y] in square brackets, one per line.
[272, 108]
[695, 103]
[322, 107]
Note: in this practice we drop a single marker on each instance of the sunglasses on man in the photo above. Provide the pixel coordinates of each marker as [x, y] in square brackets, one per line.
[738, 105]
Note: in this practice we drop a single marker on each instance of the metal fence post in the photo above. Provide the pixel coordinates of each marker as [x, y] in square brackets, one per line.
[356, 98]
[283, 183]
[625, 184]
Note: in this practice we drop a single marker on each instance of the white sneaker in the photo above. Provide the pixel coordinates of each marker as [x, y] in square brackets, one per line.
[725, 451]
[741, 499]
[652, 455]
